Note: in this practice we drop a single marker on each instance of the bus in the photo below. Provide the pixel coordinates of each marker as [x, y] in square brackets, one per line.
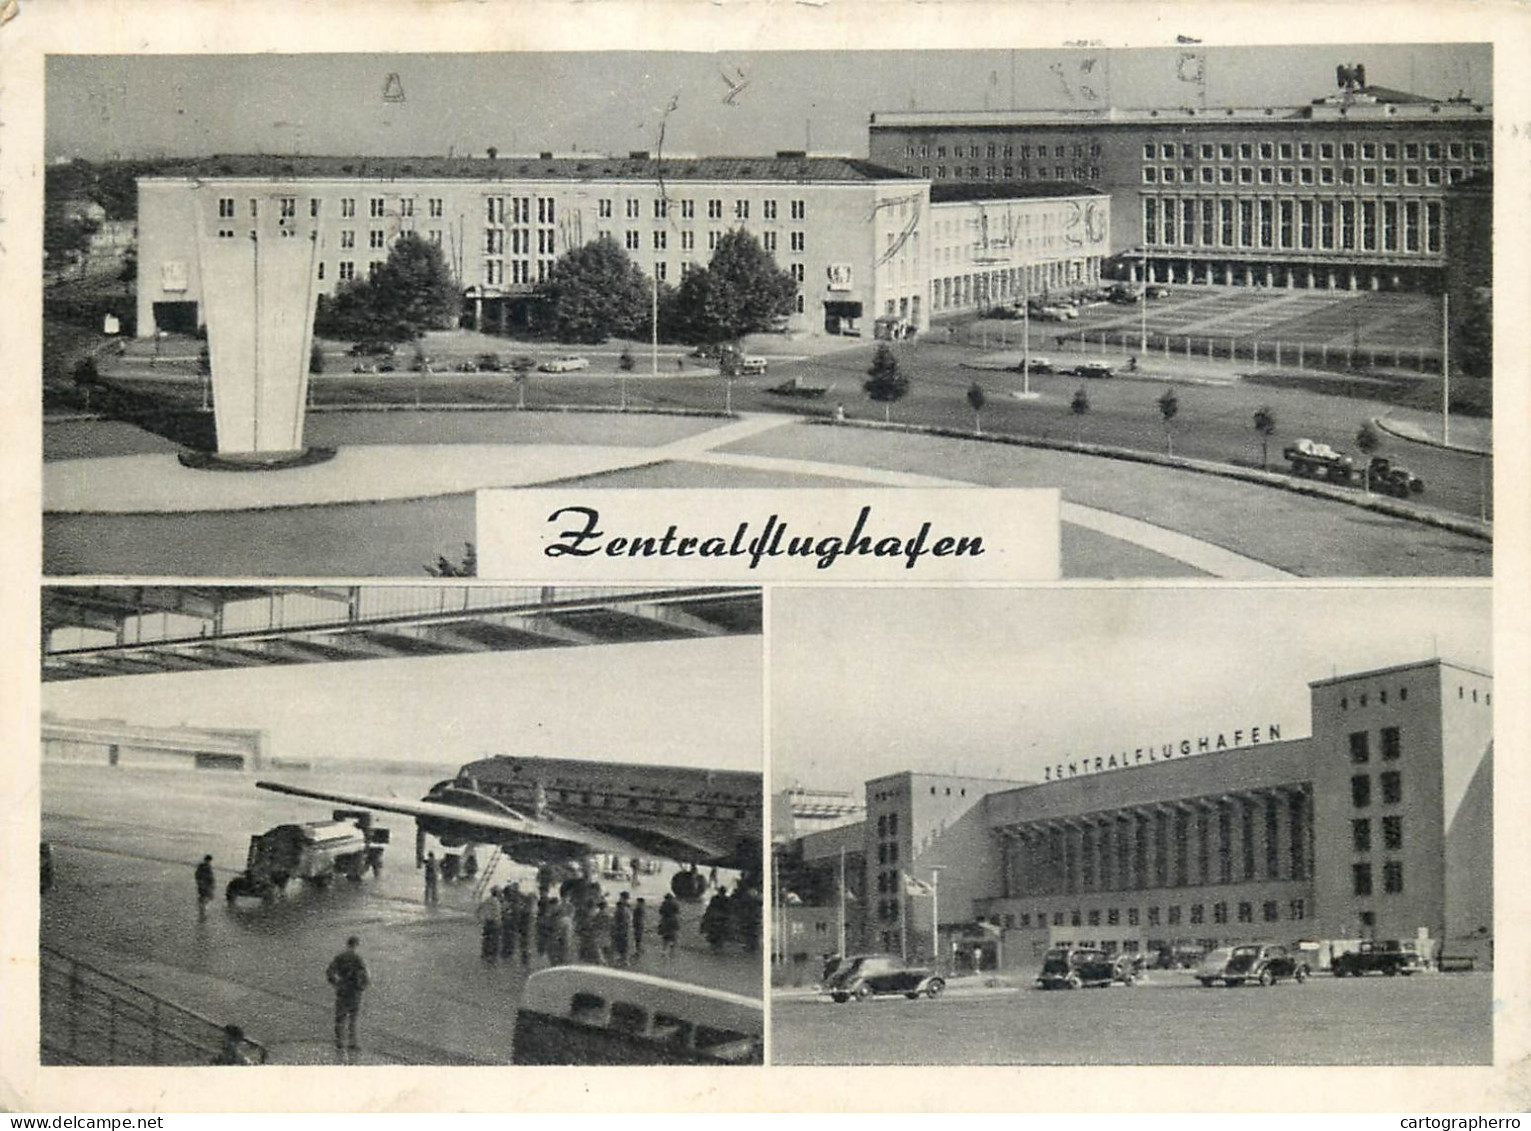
[597, 1015]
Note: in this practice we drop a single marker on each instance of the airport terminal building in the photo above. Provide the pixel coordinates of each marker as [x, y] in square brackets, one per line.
[1349, 191]
[870, 247]
[1379, 824]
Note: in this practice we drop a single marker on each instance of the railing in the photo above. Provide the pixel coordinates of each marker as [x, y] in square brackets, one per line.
[91, 1017]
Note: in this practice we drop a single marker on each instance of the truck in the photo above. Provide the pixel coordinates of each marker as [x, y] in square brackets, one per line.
[1385, 956]
[315, 853]
[1320, 461]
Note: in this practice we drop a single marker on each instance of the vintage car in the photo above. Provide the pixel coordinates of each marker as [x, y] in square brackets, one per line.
[864, 976]
[1390, 956]
[1266, 963]
[1094, 369]
[1082, 966]
[566, 364]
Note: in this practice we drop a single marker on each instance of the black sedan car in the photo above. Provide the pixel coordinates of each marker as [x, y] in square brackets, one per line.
[1265, 963]
[866, 976]
[1072, 969]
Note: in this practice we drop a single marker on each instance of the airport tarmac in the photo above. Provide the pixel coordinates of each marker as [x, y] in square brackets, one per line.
[126, 840]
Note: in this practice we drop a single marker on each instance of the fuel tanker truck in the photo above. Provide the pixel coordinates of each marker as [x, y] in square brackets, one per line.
[314, 853]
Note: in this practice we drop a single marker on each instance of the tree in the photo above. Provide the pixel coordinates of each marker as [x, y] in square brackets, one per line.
[1169, 407]
[740, 291]
[66, 233]
[977, 398]
[315, 359]
[411, 293]
[625, 362]
[596, 292]
[1265, 424]
[1080, 406]
[1474, 345]
[885, 384]
[1368, 440]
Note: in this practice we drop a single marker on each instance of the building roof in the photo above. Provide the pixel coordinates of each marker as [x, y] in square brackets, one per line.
[949, 193]
[785, 166]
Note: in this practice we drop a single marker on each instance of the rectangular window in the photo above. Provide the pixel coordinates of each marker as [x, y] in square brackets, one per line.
[799, 210]
[1285, 212]
[1433, 226]
[688, 241]
[1390, 225]
[376, 239]
[768, 209]
[1411, 225]
[1220, 913]
[1150, 174]
[630, 239]
[494, 241]
[494, 209]
[1360, 748]
[714, 210]
[661, 240]
[433, 207]
[1269, 912]
[1348, 150]
[1347, 224]
[1225, 222]
[1361, 791]
[1267, 209]
[688, 210]
[661, 209]
[712, 241]
[1368, 225]
[768, 241]
[1168, 218]
[662, 272]
[1246, 223]
[347, 237]
[633, 207]
[1246, 912]
[1197, 913]
[321, 270]
[225, 208]
[1225, 151]
[346, 270]
[1392, 877]
[603, 209]
[1267, 175]
[1150, 220]
[1326, 224]
[1297, 909]
[375, 208]
[1187, 221]
[1208, 222]
[287, 207]
[1132, 916]
[1361, 835]
[1094, 916]
[798, 241]
[546, 210]
[347, 207]
[406, 206]
[1172, 917]
[1361, 879]
[798, 273]
[1392, 833]
[254, 208]
[741, 210]
[1391, 744]
[1392, 787]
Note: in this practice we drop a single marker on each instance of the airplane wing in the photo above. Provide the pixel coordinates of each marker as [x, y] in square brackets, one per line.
[498, 823]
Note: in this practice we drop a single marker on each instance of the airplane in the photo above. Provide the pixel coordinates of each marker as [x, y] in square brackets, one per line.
[545, 810]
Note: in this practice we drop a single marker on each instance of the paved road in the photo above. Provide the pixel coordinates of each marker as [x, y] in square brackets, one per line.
[1426, 1019]
[126, 841]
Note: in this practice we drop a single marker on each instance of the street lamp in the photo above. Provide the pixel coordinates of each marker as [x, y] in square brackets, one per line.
[935, 915]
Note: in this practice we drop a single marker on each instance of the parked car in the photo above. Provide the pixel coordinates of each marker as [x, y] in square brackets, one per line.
[1037, 365]
[1094, 369]
[866, 976]
[1266, 963]
[752, 365]
[1389, 956]
[569, 363]
[1074, 969]
[1157, 291]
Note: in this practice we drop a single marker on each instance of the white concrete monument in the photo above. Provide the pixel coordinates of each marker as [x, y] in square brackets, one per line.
[258, 256]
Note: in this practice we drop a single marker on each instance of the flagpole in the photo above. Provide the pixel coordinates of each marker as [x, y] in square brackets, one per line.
[935, 919]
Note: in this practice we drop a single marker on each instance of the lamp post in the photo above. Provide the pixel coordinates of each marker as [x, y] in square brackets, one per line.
[935, 915]
[1143, 306]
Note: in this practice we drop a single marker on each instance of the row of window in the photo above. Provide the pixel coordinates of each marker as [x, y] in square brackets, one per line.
[1270, 912]
[887, 825]
[1364, 698]
[769, 209]
[1361, 834]
[1411, 175]
[1349, 225]
[1322, 150]
[1361, 789]
[1392, 878]
[993, 150]
[1012, 172]
[377, 207]
[659, 240]
[1361, 746]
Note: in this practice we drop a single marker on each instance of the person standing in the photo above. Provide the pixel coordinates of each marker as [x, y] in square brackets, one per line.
[669, 925]
[561, 939]
[348, 974]
[432, 878]
[488, 914]
[621, 928]
[206, 885]
[510, 908]
[526, 923]
[640, 915]
[547, 914]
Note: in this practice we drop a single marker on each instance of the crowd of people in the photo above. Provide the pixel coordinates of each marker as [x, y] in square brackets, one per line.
[579, 924]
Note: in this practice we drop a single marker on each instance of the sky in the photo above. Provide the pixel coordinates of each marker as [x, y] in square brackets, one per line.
[615, 102]
[686, 703]
[999, 683]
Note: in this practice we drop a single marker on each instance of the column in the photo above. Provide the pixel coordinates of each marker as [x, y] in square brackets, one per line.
[1107, 844]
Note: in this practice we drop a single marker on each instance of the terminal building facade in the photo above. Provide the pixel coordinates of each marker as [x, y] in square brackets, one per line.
[865, 243]
[1377, 825]
[1349, 191]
